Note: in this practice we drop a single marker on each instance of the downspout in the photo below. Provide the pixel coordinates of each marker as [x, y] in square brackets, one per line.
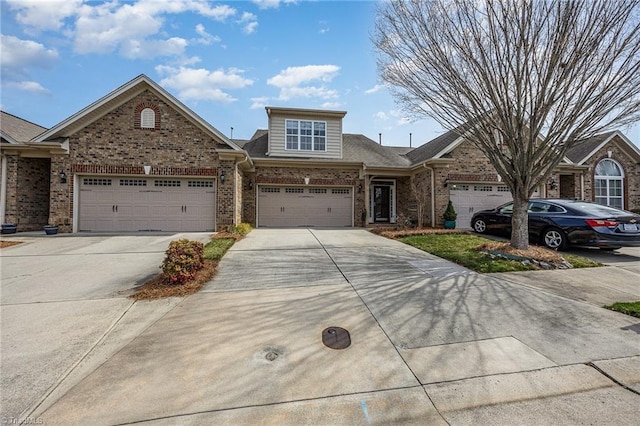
[433, 198]
[3, 189]
[236, 190]
[582, 186]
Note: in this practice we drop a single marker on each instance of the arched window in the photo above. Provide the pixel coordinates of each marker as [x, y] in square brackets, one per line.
[148, 118]
[609, 182]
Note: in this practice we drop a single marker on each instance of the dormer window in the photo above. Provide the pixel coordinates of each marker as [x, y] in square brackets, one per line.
[306, 135]
[148, 118]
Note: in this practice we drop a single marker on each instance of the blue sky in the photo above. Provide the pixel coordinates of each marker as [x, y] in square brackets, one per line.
[225, 60]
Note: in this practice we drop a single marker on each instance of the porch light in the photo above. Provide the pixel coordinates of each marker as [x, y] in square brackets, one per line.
[222, 177]
[250, 185]
[63, 176]
[446, 182]
[359, 188]
[553, 184]
[306, 180]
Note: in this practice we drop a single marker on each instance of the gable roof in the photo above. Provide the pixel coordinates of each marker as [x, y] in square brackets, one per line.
[16, 130]
[436, 147]
[585, 149]
[118, 97]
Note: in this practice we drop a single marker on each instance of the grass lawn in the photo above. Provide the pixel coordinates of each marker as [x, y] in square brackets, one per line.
[463, 250]
[215, 249]
[630, 308]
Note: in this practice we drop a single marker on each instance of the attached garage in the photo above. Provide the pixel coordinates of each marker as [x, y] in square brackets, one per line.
[131, 204]
[288, 206]
[470, 198]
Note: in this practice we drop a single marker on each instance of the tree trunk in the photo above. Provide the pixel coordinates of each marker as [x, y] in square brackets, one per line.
[520, 222]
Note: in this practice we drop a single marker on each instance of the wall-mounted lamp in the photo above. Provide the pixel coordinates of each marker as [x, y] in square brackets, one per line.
[222, 177]
[553, 184]
[250, 185]
[609, 154]
[307, 179]
[359, 188]
[446, 182]
[63, 176]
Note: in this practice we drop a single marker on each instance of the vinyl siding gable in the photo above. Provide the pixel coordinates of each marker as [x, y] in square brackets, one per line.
[277, 137]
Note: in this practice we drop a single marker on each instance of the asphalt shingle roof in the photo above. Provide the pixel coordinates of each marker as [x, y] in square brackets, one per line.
[19, 129]
[434, 146]
[355, 148]
[583, 148]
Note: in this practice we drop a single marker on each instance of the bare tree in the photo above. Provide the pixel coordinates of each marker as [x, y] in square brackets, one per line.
[419, 190]
[526, 79]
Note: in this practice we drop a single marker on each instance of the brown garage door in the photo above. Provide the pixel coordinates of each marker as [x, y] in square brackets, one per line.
[304, 206]
[121, 204]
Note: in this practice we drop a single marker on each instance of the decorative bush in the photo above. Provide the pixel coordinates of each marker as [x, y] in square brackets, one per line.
[184, 258]
[450, 212]
[243, 229]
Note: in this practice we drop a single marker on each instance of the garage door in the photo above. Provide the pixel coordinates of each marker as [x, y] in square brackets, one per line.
[116, 204]
[304, 206]
[470, 198]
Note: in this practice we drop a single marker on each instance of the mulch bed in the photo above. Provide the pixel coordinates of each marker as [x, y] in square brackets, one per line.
[394, 233]
[159, 287]
[4, 244]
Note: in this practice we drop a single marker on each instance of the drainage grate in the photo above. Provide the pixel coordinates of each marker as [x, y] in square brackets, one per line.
[336, 338]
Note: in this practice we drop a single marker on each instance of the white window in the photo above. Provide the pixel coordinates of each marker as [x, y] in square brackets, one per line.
[306, 135]
[609, 184]
[148, 118]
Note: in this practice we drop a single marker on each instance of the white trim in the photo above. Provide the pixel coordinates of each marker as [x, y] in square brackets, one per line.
[608, 179]
[3, 189]
[313, 125]
[76, 203]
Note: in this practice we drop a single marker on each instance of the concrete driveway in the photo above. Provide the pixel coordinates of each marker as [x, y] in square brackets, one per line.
[431, 343]
[64, 309]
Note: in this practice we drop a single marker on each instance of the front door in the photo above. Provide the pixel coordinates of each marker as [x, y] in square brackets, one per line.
[381, 203]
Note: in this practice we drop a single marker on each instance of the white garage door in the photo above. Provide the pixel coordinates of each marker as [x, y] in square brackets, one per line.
[470, 198]
[122, 204]
[304, 206]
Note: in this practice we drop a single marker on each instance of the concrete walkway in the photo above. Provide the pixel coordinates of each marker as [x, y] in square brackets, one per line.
[431, 343]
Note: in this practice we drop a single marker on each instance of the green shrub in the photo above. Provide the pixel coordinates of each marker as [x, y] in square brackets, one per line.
[450, 212]
[243, 229]
[184, 258]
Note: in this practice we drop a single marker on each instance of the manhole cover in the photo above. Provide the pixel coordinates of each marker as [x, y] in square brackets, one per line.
[336, 338]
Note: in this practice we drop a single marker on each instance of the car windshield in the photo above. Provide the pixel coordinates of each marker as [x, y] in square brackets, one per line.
[597, 209]
[507, 208]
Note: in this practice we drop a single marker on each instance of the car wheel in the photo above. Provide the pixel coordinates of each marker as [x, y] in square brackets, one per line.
[480, 226]
[554, 239]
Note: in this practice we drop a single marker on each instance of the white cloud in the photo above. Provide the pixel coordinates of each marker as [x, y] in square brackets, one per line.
[331, 105]
[44, 15]
[202, 84]
[295, 82]
[259, 102]
[130, 28]
[294, 76]
[18, 54]
[205, 37]
[381, 115]
[374, 89]
[250, 22]
[19, 57]
[271, 4]
[29, 86]
[324, 27]
[403, 121]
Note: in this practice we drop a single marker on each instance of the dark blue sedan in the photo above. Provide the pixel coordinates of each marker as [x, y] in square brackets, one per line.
[558, 223]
